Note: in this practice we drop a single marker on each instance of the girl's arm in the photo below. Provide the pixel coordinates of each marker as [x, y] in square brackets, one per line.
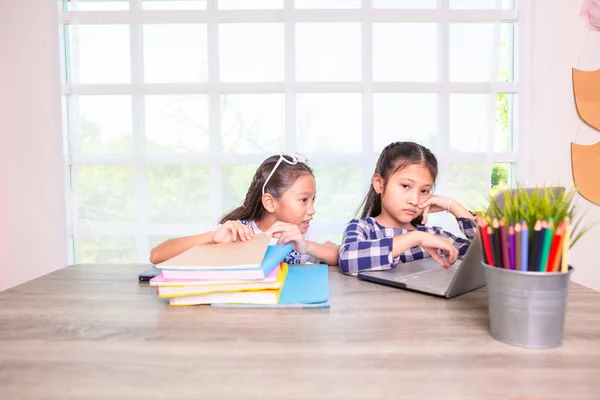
[468, 227]
[230, 231]
[173, 247]
[359, 253]
[327, 252]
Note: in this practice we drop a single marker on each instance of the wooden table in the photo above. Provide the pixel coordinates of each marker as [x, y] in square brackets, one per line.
[94, 332]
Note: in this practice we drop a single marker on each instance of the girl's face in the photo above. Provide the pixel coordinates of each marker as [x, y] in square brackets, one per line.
[405, 190]
[297, 203]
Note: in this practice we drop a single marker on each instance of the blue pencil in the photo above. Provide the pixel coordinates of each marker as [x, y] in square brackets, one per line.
[524, 246]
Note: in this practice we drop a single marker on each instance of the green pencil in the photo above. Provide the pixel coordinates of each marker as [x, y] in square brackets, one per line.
[548, 228]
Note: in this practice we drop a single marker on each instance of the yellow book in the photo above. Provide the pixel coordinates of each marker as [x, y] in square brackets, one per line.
[268, 296]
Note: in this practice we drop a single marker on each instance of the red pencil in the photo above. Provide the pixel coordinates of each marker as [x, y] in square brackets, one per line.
[554, 249]
[485, 240]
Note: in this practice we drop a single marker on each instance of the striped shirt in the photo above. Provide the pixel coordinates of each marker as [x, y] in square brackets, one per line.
[367, 245]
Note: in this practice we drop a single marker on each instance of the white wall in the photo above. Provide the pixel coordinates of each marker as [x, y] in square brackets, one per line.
[560, 41]
[32, 189]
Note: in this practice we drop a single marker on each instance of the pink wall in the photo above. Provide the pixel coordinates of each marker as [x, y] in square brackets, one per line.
[32, 188]
[560, 41]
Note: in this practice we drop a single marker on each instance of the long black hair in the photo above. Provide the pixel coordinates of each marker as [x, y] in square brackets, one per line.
[283, 178]
[394, 157]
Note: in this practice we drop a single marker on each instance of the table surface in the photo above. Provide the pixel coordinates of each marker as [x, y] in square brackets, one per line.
[94, 332]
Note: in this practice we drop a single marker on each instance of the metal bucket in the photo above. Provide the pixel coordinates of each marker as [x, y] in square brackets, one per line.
[527, 309]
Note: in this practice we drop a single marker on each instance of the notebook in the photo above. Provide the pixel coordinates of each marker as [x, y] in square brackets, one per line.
[183, 289]
[271, 259]
[304, 287]
[270, 296]
[232, 255]
[160, 280]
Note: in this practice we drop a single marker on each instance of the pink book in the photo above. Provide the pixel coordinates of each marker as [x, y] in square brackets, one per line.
[189, 280]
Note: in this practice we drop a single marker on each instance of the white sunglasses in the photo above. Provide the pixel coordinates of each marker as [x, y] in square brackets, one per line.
[290, 159]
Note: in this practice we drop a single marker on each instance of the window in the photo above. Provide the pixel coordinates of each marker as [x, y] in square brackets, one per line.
[172, 104]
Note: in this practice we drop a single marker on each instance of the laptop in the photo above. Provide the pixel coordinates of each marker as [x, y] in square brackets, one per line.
[427, 276]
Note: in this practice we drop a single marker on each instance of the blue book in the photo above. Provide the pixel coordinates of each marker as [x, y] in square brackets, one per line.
[304, 287]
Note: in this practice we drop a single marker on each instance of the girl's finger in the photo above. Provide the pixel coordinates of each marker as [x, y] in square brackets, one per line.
[249, 232]
[434, 254]
[425, 213]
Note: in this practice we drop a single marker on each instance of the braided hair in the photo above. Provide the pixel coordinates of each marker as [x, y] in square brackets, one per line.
[282, 179]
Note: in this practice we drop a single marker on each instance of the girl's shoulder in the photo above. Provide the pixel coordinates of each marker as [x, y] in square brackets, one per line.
[367, 224]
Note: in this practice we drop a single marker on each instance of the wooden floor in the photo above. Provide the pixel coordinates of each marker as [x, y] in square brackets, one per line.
[93, 332]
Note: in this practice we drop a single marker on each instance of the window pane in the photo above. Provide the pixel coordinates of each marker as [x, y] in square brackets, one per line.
[85, 5]
[339, 192]
[176, 124]
[408, 4]
[481, 4]
[99, 54]
[236, 180]
[105, 249]
[174, 4]
[105, 194]
[405, 52]
[252, 123]
[504, 134]
[470, 184]
[472, 51]
[405, 117]
[328, 51]
[327, 4]
[175, 53]
[251, 52]
[470, 122]
[178, 194]
[506, 70]
[104, 124]
[249, 4]
[329, 122]
[503, 177]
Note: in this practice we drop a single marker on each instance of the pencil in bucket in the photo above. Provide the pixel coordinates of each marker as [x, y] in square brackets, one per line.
[526, 237]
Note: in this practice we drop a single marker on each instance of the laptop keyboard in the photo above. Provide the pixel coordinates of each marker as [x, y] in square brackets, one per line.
[436, 279]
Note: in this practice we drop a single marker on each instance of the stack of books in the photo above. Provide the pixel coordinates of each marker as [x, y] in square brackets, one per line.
[241, 274]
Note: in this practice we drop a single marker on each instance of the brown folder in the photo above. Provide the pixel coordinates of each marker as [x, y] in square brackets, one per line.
[232, 255]
[586, 89]
[585, 161]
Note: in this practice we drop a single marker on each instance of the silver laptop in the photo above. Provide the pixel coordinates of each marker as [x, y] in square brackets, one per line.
[427, 276]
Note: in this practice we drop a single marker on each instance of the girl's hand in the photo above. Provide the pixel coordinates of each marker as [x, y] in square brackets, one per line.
[231, 231]
[440, 249]
[433, 205]
[287, 233]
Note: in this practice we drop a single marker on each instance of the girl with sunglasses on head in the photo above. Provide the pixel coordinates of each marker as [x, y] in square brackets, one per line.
[279, 202]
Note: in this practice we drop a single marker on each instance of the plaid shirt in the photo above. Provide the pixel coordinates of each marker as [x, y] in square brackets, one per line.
[367, 245]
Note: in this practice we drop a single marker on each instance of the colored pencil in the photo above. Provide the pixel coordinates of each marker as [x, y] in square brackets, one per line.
[535, 245]
[482, 229]
[554, 256]
[517, 252]
[497, 247]
[511, 248]
[524, 246]
[566, 245]
[549, 231]
[490, 247]
[504, 244]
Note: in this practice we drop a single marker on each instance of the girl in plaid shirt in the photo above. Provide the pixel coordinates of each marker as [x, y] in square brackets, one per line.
[279, 202]
[392, 228]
